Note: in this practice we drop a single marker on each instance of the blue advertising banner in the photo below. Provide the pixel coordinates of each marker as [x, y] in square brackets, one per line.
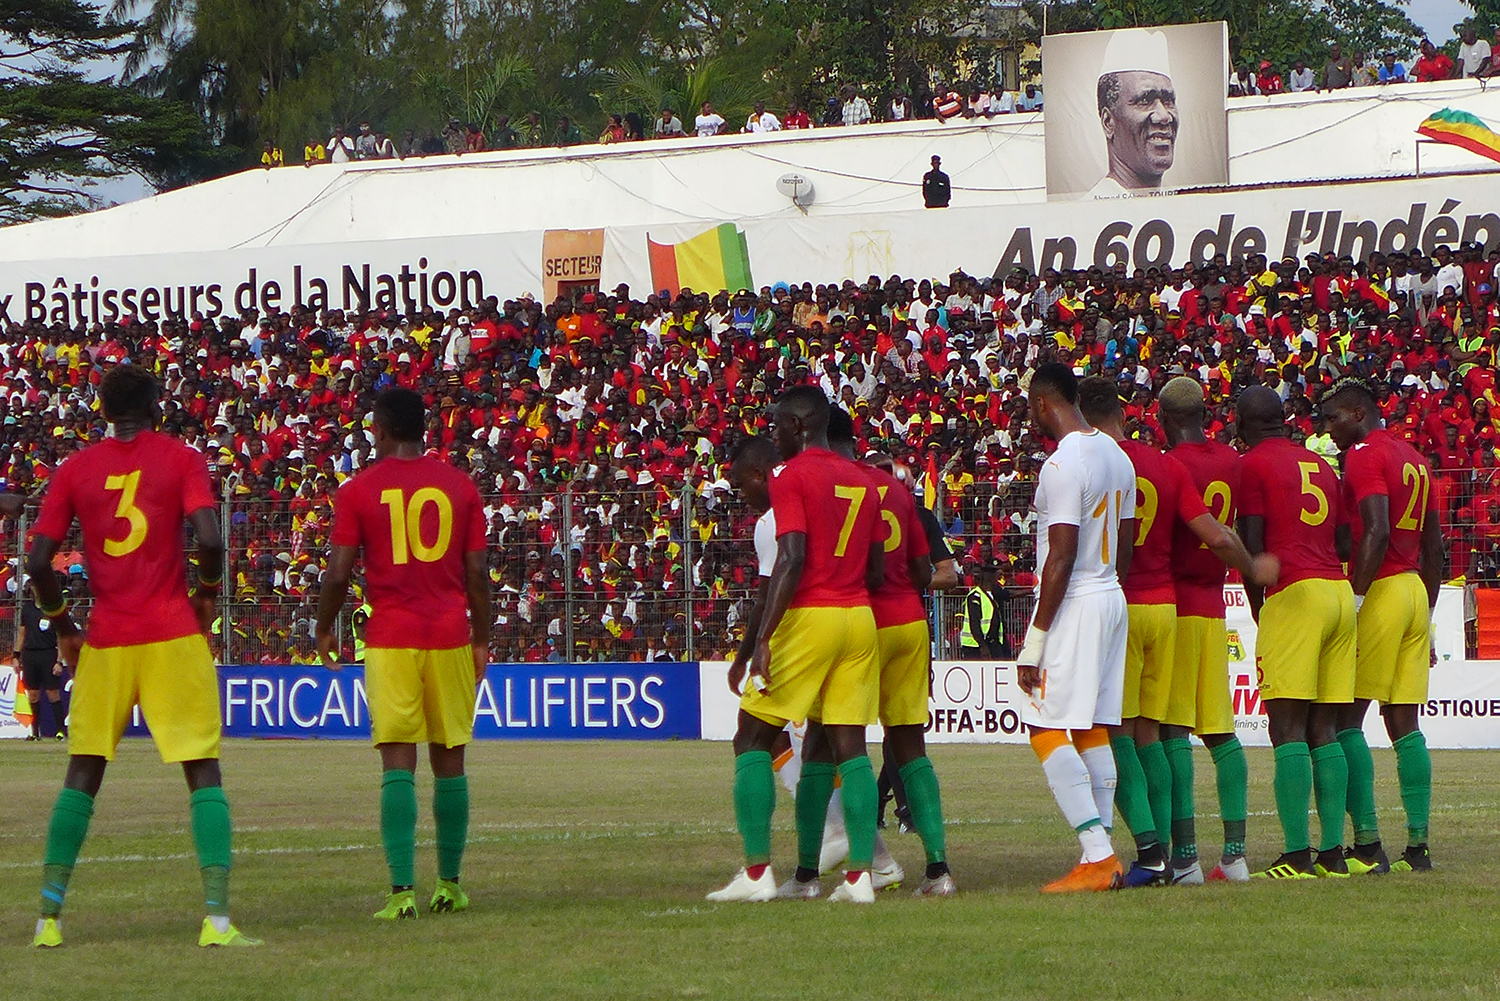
[515, 701]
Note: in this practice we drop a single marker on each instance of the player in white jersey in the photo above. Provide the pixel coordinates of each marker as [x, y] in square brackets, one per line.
[1072, 666]
[749, 471]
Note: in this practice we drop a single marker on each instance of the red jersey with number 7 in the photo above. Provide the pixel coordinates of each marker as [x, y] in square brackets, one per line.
[835, 504]
[415, 519]
[1384, 465]
[1164, 498]
[131, 499]
[1299, 496]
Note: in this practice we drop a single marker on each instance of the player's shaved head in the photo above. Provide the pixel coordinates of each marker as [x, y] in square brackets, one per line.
[1260, 415]
[801, 419]
[1098, 399]
[401, 414]
[1055, 379]
[755, 453]
[129, 393]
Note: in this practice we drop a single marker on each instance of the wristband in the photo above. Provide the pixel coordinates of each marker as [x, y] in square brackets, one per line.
[53, 613]
[1031, 650]
[1359, 601]
[205, 584]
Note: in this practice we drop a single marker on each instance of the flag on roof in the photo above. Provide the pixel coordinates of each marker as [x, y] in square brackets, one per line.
[1462, 129]
[716, 259]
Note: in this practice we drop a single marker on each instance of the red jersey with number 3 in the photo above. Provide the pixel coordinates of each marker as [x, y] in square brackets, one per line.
[1384, 465]
[415, 520]
[835, 504]
[131, 499]
[1164, 497]
[1300, 497]
[1199, 574]
[898, 602]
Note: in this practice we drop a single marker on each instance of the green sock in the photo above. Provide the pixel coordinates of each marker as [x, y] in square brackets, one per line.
[1361, 785]
[398, 824]
[1293, 787]
[1414, 772]
[212, 837]
[1232, 773]
[1153, 758]
[754, 802]
[860, 796]
[1130, 792]
[1331, 789]
[450, 814]
[814, 789]
[926, 803]
[1179, 751]
[65, 834]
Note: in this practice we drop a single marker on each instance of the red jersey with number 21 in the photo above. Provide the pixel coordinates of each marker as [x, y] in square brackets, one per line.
[1384, 465]
[415, 520]
[835, 504]
[1299, 496]
[131, 499]
[1215, 470]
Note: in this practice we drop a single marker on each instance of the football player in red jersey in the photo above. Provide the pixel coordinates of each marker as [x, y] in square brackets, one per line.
[1396, 569]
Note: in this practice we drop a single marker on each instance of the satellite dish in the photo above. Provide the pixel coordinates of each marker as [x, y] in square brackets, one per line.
[797, 187]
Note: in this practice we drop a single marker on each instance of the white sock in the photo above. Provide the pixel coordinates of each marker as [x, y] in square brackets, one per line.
[1096, 845]
[790, 773]
[883, 859]
[833, 827]
[1071, 786]
[220, 922]
[1100, 761]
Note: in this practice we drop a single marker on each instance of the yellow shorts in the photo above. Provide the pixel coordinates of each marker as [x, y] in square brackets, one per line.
[824, 666]
[1149, 646]
[1394, 651]
[420, 696]
[905, 673]
[1200, 677]
[1304, 648]
[175, 684]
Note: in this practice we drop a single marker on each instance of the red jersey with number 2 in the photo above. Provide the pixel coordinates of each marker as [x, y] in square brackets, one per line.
[1299, 496]
[1164, 497]
[835, 504]
[131, 499]
[1384, 465]
[897, 602]
[415, 519]
[1199, 574]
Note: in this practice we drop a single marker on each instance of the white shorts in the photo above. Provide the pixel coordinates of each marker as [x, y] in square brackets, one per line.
[1083, 665]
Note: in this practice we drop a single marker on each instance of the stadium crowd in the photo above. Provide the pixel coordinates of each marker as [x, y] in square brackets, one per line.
[597, 425]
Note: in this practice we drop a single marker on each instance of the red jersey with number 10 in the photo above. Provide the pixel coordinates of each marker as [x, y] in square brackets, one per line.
[1164, 497]
[1383, 464]
[1199, 574]
[897, 602]
[1300, 497]
[131, 498]
[835, 504]
[415, 520]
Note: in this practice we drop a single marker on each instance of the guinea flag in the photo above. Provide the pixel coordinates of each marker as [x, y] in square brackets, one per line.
[711, 261]
[1462, 129]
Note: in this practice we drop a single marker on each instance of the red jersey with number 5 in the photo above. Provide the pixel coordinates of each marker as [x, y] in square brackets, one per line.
[1384, 465]
[131, 498]
[1164, 497]
[415, 520]
[897, 602]
[1199, 574]
[835, 504]
[1299, 496]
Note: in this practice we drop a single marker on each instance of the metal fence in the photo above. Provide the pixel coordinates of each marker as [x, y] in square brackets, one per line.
[638, 574]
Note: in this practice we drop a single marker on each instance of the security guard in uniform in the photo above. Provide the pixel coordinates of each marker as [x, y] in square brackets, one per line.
[981, 629]
[358, 621]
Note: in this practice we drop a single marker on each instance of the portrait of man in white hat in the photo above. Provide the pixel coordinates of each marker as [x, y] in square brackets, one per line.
[1137, 113]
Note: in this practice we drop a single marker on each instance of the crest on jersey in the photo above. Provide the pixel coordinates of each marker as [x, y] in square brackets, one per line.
[776, 469]
[1236, 645]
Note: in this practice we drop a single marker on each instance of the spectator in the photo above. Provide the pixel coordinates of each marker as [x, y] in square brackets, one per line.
[833, 113]
[1338, 71]
[1031, 98]
[384, 148]
[533, 131]
[431, 143]
[1002, 103]
[795, 118]
[1433, 63]
[614, 132]
[856, 110]
[761, 120]
[978, 104]
[1473, 53]
[1390, 70]
[313, 152]
[503, 136]
[668, 125]
[937, 190]
[364, 143]
[1494, 67]
[709, 122]
[1268, 81]
[900, 109]
[1243, 83]
[410, 144]
[270, 155]
[340, 147]
[1301, 78]
[474, 139]
[455, 139]
[1366, 71]
[567, 133]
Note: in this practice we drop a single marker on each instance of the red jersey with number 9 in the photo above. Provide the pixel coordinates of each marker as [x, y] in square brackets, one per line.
[415, 520]
[1383, 464]
[1164, 497]
[836, 505]
[1299, 496]
[131, 499]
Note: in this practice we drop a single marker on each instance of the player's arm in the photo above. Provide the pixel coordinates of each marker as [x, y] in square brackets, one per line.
[1431, 559]
[49, 597]
[1062, 553]
[1127, 549]
[1221, 540]
[1253, 534]
[1375, 514]
[920, 569]
[786, 574]
[331, 598]
[477, 588]
[875, 566]
[746, 648]
[205, 596]
[1343, 542]
[944, 566]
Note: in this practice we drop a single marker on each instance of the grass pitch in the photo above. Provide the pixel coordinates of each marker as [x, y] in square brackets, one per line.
[588, 865]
